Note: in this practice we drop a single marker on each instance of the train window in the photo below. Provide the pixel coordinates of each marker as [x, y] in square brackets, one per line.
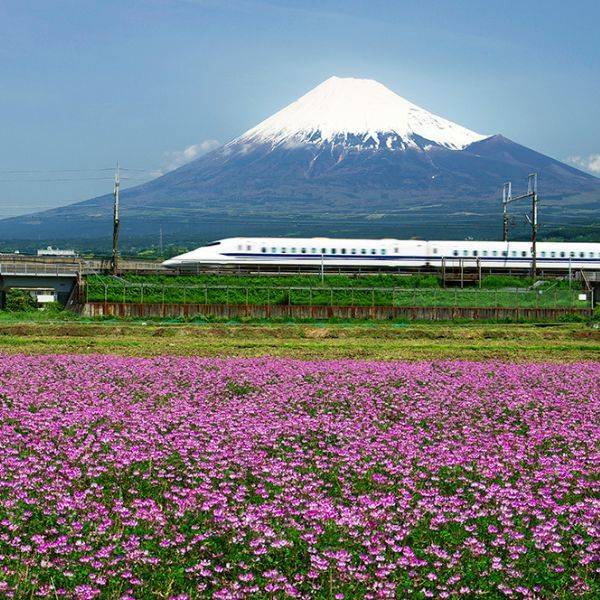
[523, 253]
[396, 250]
[465, 253]
[274, 250]
[455, 252]
[303, 250]
[263, 249]
[323, 250]
[435, 251]
[353, 251]
[591, 255]
[313, 250]
[240, 247]
[343, 250]
[373, 251]
[552, 254]
[248, 247]
[504, 253]
[283, 250]
[484, 253]
[543, 254]
[383, 252]
[333, 250]
[363, 251]
[293, 250]
[494, 252]
[582, 254]
[514, 252]
[475, 252]
[562, 254]
[572, 254]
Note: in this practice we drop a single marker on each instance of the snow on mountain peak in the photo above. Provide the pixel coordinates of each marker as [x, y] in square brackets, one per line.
[345, 106]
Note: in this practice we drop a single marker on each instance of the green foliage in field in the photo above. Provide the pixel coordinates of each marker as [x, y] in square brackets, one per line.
[504, 281]
[513, 281]
[19, 301]
[340, 290]
[350, 281]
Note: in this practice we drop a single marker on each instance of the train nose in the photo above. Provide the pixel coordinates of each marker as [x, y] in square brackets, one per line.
[170, 263]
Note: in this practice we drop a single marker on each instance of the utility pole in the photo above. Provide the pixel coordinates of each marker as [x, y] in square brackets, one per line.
[115, 265]
[532, 190]
[507, 198]
[161, 242]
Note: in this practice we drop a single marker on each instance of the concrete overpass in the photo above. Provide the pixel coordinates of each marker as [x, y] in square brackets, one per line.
[83, 264]
[61, 278]
[60, 274]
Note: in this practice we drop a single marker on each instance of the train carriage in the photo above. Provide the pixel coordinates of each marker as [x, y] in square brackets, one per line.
[386, 253]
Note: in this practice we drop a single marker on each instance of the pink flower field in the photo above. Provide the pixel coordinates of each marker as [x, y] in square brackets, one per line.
[263, 478]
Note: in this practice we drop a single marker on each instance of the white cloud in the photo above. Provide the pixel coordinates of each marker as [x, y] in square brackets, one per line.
[178, 158]
[589, 163]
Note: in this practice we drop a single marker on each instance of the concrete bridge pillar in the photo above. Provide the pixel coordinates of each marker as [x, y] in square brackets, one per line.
[595, 285]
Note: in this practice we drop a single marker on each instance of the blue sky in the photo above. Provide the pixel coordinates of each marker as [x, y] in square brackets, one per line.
[85, 83]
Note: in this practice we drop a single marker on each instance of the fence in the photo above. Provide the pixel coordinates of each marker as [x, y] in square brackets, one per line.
[125, 292]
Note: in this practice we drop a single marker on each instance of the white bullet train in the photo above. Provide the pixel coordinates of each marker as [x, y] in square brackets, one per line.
[364, 253]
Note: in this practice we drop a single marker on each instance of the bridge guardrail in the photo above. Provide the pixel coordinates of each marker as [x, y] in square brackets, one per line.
[39, 269]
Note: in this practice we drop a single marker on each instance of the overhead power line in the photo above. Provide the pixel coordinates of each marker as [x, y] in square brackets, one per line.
[64, 179]
[92, 170]
[25, 171]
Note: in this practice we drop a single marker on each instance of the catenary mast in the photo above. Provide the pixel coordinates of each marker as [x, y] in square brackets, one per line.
[115, 261]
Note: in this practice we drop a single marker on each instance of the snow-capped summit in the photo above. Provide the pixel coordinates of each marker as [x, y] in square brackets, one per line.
[361, 110]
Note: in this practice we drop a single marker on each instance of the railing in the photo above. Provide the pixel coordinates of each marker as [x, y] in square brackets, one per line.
[130, 292]
[39, 264]
[125, 265]
[20, 267]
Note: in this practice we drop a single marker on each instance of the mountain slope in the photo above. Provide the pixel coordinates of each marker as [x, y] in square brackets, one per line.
[349, 157]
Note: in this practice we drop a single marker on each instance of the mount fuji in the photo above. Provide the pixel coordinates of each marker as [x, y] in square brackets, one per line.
[357, 114]
[349, 158]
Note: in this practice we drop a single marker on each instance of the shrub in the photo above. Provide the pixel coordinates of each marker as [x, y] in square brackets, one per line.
[19, 301]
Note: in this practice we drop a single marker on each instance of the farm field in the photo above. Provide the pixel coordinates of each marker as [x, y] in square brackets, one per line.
[340, 290]
[261, 477]
[373, 340]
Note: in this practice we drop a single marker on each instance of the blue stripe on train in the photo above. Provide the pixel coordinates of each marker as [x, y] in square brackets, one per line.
[399, 257]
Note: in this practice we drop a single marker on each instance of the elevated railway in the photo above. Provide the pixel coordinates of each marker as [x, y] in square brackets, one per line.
[63, 275]
[467, 270]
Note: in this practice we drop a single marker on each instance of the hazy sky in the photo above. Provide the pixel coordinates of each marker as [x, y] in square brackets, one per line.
[156, 82]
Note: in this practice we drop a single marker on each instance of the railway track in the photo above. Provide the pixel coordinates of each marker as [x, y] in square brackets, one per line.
[100, 265]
